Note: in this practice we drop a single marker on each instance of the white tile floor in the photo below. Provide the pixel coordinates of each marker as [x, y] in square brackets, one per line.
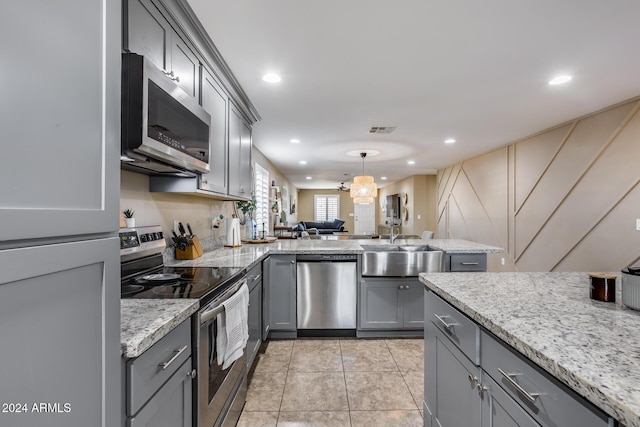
[337, 382]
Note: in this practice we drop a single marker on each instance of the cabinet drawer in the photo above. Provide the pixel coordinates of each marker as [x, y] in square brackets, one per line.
[461, 330]
[254, 276]
[468, 262]
[550, 403]
[155, 366]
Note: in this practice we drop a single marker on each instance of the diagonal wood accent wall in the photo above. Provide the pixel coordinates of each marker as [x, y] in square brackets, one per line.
[565, 199]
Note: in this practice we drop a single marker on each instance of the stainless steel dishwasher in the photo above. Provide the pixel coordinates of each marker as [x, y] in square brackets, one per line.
[326, 291]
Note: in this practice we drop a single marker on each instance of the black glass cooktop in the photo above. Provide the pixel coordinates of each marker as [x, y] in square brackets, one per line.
[179, 282]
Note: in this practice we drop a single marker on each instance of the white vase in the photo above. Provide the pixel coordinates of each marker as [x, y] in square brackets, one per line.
[131, 222]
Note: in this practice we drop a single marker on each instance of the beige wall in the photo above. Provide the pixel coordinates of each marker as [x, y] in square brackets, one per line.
[421, 196]
[163, 208]
[565, 199]
[305, 210]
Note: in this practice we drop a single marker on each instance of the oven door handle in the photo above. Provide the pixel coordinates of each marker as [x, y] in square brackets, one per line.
[209, 314]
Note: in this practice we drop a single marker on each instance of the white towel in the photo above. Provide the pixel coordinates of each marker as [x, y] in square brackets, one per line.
[233, 329]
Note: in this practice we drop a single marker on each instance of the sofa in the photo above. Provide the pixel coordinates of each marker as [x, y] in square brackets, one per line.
[321, 227]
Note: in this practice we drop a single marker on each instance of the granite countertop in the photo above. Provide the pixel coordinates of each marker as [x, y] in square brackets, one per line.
[249, 254]
[143, 322]
[593, 347]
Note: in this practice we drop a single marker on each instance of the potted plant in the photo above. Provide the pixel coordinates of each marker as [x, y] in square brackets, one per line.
[247, 208]
[129, 220]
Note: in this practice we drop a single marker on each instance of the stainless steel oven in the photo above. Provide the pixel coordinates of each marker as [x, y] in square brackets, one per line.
[221, 393]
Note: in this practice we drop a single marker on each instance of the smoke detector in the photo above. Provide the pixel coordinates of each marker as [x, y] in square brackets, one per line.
[381, 129]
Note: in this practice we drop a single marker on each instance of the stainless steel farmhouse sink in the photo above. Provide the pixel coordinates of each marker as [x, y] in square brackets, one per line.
[394, 248]
[399, 262]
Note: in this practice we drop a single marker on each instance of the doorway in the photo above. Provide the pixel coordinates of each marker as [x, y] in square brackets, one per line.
[364, 220]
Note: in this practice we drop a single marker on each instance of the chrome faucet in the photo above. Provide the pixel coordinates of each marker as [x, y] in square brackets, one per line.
[393, 237]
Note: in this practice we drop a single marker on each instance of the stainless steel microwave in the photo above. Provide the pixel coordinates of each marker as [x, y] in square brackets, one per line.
[164, 130]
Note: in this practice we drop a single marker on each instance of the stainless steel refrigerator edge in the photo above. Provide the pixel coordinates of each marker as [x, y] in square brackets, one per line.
[59, 203]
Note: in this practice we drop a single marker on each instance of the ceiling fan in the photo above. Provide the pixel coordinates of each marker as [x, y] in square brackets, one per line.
[341, 187]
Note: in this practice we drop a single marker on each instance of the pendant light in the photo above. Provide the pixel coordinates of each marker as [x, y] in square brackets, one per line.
[364, 189]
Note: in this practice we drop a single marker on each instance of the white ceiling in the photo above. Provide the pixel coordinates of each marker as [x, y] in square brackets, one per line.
[476, 71]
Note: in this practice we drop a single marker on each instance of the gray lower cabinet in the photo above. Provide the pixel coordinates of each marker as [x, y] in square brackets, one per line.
[149, 33]
[254, 281]
[465, 262]
[450, 383]
[280, 297]
[159, 382]
[474, 379]
[499, 409]
[391, 304]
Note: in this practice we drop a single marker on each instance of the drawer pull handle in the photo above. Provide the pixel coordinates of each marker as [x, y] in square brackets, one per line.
[165, 365]
[531, 397]
[472, 379]
[470, 263]
[444, 323]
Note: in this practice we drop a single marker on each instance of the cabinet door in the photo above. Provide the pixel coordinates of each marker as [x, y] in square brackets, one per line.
[499, 409]
[281, 278]
[148, 33]
[185, 67]
[240, 183]
[246, 176]
[60, 333]
[214, 101]
[450, 383]
[381, 305]
[255, 323]
[172, 404]
[413, 302]
[59, 168]
[266, 299]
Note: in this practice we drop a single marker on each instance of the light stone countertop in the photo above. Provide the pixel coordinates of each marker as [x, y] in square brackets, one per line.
[593, 347]
[143, 322]
[249, 254]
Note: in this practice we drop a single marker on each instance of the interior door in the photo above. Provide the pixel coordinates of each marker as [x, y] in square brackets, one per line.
[364, 218]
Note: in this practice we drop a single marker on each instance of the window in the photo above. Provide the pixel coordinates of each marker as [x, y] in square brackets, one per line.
[262, 200]
[327, 207]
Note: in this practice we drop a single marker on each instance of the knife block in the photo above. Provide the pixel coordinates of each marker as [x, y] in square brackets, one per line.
[193, 251]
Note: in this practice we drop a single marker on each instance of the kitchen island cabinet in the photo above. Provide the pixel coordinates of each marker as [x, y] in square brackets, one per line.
[536, 347]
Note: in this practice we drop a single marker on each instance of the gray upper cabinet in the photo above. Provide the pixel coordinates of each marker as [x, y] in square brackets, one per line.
[214, 101]
[61, 140]
[148, 33]
[240, 184]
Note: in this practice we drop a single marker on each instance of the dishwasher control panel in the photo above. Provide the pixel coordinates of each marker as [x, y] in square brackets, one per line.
[327, 257]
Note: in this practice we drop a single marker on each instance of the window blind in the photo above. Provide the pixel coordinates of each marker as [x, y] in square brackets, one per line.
[262, 199]
[327, 207]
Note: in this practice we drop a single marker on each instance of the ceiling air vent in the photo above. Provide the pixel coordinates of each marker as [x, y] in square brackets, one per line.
[382, 129]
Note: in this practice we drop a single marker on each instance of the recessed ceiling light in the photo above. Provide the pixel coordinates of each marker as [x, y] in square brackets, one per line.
[558, 80]
[294, 141]
[449, 141]
[272, 78]
[383, 178]
[411, 162]
[308, 177]
[303, 162]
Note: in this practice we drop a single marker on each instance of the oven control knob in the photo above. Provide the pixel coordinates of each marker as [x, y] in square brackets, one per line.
[192, 374]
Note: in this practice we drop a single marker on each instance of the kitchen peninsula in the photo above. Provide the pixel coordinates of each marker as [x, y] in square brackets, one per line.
[548, 321]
